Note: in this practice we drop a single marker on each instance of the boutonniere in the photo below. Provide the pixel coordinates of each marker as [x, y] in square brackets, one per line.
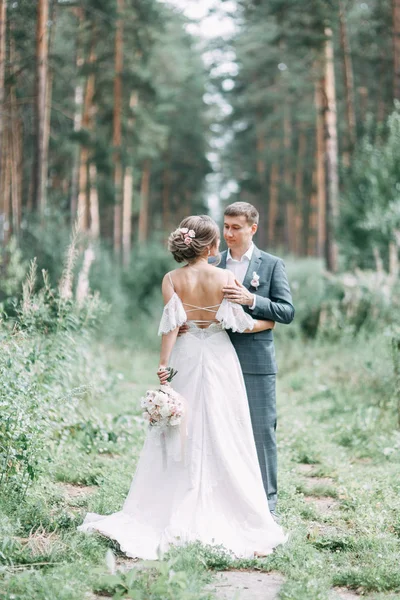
[255, 282]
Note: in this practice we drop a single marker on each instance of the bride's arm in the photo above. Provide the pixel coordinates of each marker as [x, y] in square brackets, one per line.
[261, 325]
[167, 343]
[168, 339]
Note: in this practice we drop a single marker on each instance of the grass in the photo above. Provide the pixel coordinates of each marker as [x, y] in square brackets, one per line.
[335, 415]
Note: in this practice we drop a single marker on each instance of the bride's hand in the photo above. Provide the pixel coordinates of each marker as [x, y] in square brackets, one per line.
[162, 374]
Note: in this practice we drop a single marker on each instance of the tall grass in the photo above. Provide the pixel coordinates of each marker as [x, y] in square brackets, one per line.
[42, 371]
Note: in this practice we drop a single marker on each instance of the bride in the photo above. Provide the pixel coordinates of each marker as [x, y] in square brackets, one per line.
[209, 488]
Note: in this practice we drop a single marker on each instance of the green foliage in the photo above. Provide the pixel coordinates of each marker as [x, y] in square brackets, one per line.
[152, 581]
[347, 304]
[396, 368]
[13, 270]
[196, 555]
[39, 346]
[371, 200]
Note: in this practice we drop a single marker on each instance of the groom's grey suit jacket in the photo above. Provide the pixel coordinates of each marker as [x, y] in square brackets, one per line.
[256, 355]
[256, 351]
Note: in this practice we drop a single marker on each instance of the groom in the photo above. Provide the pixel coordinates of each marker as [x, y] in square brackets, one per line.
[263, 290]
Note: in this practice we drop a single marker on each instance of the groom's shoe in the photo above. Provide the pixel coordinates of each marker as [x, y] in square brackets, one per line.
[275, 516]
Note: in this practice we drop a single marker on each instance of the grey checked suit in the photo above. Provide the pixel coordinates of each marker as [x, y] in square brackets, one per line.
[256, 354]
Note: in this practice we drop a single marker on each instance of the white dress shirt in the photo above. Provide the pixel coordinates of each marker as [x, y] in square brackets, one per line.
[239, 267]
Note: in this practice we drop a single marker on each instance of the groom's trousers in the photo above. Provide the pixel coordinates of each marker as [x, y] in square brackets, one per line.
[261, 391]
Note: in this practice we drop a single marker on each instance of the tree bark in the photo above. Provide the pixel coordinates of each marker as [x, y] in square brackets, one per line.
[84, 208]
[144, 202]
[83, 216]
[396, 48]
[94, 203]
[39, 176]
[47, 105]
[15, 162]
[127, 216]
[78, 114]
[348, 85]
[313, 215]
[3, 29]
[166, 202]
[261, 172]
[290, 225]
[363, 93]
[117, 131]
[6, 196]
[128, 188]
[273, 201]
[14, 143]
[331, 145]
[320, 167]
[299, 247]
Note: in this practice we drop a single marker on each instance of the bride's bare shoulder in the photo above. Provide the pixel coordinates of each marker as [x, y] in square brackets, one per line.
[173, 276]
[223, 275]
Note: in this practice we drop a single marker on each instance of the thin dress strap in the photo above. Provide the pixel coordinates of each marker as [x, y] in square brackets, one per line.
[171, 282]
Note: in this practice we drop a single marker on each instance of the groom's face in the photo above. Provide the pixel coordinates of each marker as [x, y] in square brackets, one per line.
[238, 233]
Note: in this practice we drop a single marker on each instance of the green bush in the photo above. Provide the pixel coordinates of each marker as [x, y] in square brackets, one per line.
[370, 211]
[38, 398]
[330, 306]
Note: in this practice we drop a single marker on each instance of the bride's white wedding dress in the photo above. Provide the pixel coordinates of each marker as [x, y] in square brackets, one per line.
[209, 488]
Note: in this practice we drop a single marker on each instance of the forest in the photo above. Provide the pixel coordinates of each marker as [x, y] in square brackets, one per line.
[118, 119]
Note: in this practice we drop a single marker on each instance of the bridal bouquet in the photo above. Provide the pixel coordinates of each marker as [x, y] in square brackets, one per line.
[164, 407]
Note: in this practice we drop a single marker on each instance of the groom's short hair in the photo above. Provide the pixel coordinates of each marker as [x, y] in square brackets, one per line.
[239, 209]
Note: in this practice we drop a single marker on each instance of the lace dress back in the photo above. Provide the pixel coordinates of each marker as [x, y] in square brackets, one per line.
[227, 315]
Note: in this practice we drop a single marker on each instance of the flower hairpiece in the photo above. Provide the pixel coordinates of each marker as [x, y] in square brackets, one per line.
[188, 235]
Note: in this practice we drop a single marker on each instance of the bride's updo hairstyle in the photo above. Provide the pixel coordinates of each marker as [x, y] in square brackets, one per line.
[192, 237]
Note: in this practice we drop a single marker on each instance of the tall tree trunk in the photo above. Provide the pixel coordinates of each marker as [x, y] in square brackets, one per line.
[3, 29]
[94, 203]
[348, 85]
[117, 134]
[261, 172]
[144, 202]
[6, 180]
[313, 214]
[14, 142]
[273, 201]
[363, 93]
[290, 225]
[83, 216]
[47, 104]
[39, 176]
[128, 188]
[127, 216]
[78, 113]
[331, 145]
[382, 109]
[84, 208]
[166, 197]
[396, 48]
[299, 182]
[320, 167]
[15, 150]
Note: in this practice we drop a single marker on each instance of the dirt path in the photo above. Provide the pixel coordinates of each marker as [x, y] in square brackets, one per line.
[246, 585]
